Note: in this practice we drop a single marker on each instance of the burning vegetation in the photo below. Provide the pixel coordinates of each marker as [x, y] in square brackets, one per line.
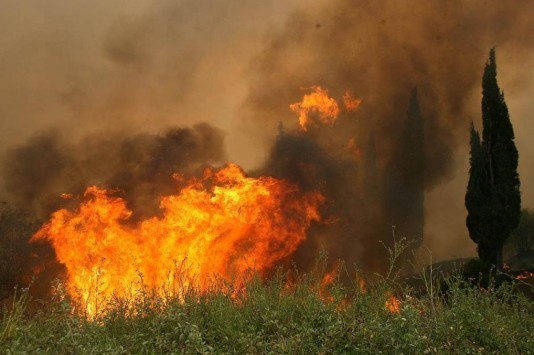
[223, 226]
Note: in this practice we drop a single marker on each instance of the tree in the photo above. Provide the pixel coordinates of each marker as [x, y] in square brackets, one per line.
[477, 197]
[493, 200]
[371, 175]
[523, 236]
[406, 178]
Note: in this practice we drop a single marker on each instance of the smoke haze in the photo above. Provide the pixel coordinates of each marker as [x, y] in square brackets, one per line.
[90, 91]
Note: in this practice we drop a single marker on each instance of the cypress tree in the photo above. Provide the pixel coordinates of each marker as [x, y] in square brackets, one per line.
[478, 191]
[493, 199]
[406, 177]
[371, 174]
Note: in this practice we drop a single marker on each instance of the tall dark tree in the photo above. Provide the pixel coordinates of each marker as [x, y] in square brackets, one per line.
[477, 197]
[406, 177]
[371, 182]
[523, 236]
[493, 200]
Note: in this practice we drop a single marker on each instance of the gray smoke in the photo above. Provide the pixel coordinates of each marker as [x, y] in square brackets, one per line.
[140, 167]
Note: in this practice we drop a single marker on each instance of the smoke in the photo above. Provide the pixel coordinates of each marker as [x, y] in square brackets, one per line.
[346, 227]
[140, 167]
[129, 67]
[89, 93]
[381, 50]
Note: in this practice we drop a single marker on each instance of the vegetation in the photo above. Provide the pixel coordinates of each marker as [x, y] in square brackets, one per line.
[16, 229]
[523, 236]
[275, 317]
[493, 199]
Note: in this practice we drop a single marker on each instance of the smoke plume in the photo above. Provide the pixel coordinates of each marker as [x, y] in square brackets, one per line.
[140, 167]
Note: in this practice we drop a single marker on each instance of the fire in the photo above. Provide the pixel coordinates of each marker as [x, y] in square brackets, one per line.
[219, 227]
[525, 275]
[351, 103]
[333, 275]
[393, 304]
[318, 104]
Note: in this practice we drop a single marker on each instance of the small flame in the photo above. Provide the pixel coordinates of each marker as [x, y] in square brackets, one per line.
[219, 227]
[351, 103]
[393, 304]
[318, 104]
[361, 284]
[333, 275]
[525, 275]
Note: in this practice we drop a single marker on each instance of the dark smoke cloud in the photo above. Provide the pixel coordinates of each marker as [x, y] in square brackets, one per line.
[345, 231]
[140, 167]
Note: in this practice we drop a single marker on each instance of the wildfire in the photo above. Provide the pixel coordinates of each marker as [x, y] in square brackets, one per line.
[351, 103]
[319, 104]
[220, 226]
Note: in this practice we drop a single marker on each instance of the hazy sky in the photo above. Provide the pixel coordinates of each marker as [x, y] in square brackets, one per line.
[140, 65]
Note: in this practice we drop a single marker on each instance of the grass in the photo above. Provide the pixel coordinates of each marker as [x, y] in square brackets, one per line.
[272, 317]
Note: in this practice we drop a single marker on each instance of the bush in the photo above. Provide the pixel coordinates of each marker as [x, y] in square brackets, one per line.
[16, 229]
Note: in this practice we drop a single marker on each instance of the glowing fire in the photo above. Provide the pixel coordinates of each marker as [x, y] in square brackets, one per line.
[393, 304]
[351, 103]
[525, 275]
[218, 227]
[317, 104]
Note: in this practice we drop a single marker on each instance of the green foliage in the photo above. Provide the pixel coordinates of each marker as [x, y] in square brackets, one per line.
[482, 274]
[477, 198]
[493, 199]
[16, 228]
[273, 317]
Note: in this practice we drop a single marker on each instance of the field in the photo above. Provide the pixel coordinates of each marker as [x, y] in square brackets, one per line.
[446, 315]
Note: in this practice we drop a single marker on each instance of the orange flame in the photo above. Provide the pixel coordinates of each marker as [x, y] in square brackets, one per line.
[393, 304]
[351, 103]
[525, 275]
[219, 226]
[333, 275]
[318, 104]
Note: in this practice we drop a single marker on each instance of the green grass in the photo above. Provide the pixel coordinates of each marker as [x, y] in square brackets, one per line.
[270, 317]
